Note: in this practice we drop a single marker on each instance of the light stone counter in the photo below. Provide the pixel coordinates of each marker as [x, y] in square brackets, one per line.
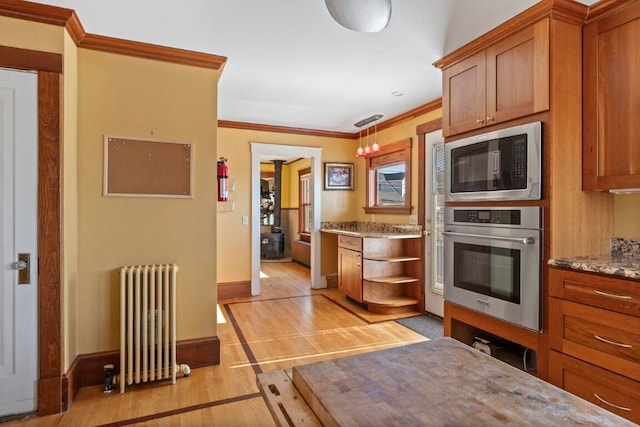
[372, 229]
[623, 261]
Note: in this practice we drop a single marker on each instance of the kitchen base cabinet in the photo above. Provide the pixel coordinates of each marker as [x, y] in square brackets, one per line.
[350, 273]
[604, 388]
[594, 339]
[383, 273]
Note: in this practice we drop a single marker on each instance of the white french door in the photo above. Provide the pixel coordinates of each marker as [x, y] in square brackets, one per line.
[434, 222]
[18, 235]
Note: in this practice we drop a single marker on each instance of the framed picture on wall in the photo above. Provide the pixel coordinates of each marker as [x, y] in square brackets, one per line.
[338, 176]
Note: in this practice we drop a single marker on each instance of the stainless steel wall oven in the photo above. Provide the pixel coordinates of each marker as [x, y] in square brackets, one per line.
[493, 261]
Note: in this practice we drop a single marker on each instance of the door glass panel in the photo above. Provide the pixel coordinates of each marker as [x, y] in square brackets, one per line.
[438, 218]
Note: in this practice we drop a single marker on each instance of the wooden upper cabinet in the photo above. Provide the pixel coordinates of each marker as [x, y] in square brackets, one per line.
[463, 100]
[507, 80]
[518, 74]
[611, 93]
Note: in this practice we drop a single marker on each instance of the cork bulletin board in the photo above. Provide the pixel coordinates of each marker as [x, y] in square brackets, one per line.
[137, 167]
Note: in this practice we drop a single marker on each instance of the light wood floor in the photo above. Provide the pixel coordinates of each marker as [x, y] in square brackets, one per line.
[289, 324]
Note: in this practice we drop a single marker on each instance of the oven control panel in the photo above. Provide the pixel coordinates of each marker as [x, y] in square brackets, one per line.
[488, 216]
[519, 217]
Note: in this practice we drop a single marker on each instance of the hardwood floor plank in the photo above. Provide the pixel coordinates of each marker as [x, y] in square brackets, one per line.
[288, 324]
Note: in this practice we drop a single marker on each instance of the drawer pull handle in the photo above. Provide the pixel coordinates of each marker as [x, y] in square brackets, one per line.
[599, 338]
[622, 408]
[604, 294]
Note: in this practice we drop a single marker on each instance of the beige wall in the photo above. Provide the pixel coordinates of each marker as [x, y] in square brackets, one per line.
[32, 35]
[626, 216]
[234, 239]
[293, 201]
[401, 131]
[70, 203]
[121, 95]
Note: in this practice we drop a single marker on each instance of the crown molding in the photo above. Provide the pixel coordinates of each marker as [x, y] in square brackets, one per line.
[284, 129]
[563, 10]
[152, 51]
[419, 111]
[35, 12]
[411, 114]
[604, 7]
[69, 19]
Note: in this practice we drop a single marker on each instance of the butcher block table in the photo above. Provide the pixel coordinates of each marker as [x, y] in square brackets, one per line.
[434, 383]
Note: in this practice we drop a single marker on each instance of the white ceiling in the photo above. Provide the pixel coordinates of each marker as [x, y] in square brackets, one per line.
[290, 64]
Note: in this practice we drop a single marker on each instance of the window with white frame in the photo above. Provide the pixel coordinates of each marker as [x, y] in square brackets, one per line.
[305, 202]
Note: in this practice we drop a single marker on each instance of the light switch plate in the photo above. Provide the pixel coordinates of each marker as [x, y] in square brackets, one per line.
[413, 219]
[245, 219]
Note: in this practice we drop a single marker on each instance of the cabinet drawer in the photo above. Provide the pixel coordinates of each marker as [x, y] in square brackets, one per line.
[613, 392]
[350, 242]
[605, 292]
[602, 337]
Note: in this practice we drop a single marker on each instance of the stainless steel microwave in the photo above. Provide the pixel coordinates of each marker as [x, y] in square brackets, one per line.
[505, 164]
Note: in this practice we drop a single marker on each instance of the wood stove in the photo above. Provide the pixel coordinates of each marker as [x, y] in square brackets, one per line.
[272, 245]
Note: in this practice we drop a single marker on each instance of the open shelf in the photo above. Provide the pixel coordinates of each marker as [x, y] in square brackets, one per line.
[393, 301]
[391, 305]
[515, 345]
[392, 279]
[393, 258]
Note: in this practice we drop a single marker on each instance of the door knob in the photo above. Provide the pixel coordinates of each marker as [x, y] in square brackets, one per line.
[22, 265]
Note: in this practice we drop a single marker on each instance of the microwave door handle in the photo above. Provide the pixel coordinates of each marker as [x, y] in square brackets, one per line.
[496, 163]
[523, 240]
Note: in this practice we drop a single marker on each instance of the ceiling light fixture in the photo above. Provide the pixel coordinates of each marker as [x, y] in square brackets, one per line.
[368, 149]
[363, 16]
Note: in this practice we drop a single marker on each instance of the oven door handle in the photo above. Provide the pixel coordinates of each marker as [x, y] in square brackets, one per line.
[524, 240]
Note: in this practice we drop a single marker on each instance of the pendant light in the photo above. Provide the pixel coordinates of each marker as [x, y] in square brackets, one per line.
[368, 149]
[375, 147]
[360, 151]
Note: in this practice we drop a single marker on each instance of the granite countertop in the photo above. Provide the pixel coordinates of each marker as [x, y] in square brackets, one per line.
[372, 229]
[623, 260]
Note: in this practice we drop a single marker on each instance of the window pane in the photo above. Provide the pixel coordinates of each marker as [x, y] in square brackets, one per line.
[305, 204]
[306, 221]
[391, 185]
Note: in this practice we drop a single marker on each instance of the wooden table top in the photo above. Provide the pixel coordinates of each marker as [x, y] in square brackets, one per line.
[437, 383]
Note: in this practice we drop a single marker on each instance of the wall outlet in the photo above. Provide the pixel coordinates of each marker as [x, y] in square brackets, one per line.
[245, 219]
[413, 219]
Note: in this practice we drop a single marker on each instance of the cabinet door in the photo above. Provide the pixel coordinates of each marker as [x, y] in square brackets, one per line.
[518, 74]
[350, 273]
[463, 95]
[598, 336]
[611, 89]
[613, 392]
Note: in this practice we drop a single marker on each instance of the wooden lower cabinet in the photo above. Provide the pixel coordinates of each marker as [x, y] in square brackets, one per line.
[594, 339]
[604, 388]
[383, 273]
[350, 273]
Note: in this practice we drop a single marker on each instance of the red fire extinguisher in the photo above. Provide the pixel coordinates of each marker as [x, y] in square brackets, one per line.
[223, 180]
